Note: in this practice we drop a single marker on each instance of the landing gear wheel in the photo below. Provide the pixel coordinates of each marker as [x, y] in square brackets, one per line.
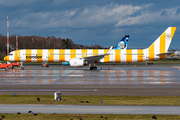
[22, 68]
[93, 68]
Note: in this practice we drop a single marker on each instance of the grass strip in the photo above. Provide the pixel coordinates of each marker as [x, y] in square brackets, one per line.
[91, 100]
[54, 116]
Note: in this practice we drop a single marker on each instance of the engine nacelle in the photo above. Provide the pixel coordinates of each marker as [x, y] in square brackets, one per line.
[65, 63]
[77, 62]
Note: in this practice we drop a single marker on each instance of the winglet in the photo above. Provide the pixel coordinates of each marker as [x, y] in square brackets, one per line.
[109, 51]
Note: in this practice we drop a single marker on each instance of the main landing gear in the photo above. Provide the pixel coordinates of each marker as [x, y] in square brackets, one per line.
[93, 68]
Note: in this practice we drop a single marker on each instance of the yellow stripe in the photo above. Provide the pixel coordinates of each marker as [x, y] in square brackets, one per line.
[162, 44]
[128, 56]
[28, 55]
[73, 53]
[61, 55]
[173, 29]
[106, 58]
[50, 55]
[95, 52]
[140, 55]
[84, 52]
[117, 56]
[151, 52]
[17, 56]
[39, 55]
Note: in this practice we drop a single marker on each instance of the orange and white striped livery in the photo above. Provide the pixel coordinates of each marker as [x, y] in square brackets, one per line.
[81, 57]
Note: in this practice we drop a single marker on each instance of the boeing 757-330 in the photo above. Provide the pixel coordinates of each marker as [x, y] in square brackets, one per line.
[82, 57]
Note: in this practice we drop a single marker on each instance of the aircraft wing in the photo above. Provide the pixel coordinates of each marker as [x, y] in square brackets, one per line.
[98, 57]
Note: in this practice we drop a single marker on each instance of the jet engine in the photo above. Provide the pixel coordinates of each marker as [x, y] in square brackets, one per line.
[78, 62]
[65, 63]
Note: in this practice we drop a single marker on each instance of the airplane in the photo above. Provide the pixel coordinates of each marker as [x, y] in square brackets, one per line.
[81, 57]
[122, 44]
[174, 53]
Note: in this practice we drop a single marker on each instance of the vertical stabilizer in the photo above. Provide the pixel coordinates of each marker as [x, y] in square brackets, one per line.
[122, 43]
[161, 44]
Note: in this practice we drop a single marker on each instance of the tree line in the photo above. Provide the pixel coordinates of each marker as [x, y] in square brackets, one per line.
[38, 42]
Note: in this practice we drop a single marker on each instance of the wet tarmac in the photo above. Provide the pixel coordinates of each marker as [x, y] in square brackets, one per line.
[57, 78]
[114, 76]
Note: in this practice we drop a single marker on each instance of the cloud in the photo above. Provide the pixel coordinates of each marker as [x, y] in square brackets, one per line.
[45, 19]
[93, 16]
[57, 2]
[81, 17]
[11, 3]
[164, 15]
[117, 30]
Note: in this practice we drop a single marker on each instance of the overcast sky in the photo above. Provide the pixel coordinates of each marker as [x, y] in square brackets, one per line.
[89, 22]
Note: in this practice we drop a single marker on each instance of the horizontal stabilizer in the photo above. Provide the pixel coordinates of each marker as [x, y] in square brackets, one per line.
[167, 53]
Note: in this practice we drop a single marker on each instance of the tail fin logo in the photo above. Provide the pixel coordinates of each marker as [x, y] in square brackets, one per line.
[168, 36]
[122, 43]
